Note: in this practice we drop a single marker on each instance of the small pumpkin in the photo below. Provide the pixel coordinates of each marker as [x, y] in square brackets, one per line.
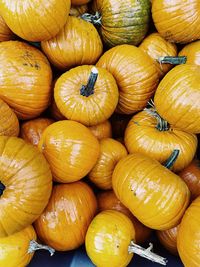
[135, 74]
[177, 98]
[78, 43]
[34, 20]
[64, 222]
[78, 10]
[73, 142]
[32, 130]
[192, 52]
[25, 184]
[55, 112]
[111, 151]
[79, 2]
[86, 94]
[5, 33]
[9, 124]
[102, 130]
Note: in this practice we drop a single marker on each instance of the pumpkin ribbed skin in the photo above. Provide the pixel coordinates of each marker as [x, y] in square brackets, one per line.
[55, 112]
[9, 124]
[88, 110]
[73, 142]
[156, 196]
[79, 2]
[135, 74]
[5, 33]
[142, 136]
[178, 20]
[78, 43]
[177, 98]
[111, 151]
[28, 182]
[78, 10]
[156, 46]
[102, 130]
[188, 240]
[35, 20]
[192, 52]
[25, 79]
[64, 222]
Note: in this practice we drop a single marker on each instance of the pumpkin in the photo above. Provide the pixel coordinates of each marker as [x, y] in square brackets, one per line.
[78, 43]
[135, 73]
[191, 176]
[18, 249]
[34, 20]
[25, 184]
[119, 123]
[102, 130]
[120, 22]
[192, 52]
[5, 33]
[156, 196]
[149, 134]
[177, 21]
[64, 222]
[86, 94]
[111, 151]
[177, 98]
[108, 201]
[32, 130]
[25, 79]
[110, 239]
[188, 236]
[9, 124]
[73, 142]
[55, 112]
[79, 2]
[78, 10]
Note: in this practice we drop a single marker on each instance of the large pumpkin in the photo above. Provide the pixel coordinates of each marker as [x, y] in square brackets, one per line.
[177, 98]
[64, 222]
[25, 79]
[102, 130]
[135, 73]
[35, 20]
[5, 33]
[25, 184]
[192, 52]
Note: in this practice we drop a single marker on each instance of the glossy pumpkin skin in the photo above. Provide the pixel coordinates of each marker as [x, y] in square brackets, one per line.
[191, 176]
[156, 196]
[102, 130]
[90, 110]
[156, 46]
[177, 21]
[32, 130]
[177, 98]
[64, 222]
[135, 74]
[9, 124]
[142, 136]
[108, 201]
[79, 2]
[25, 79]
[28, 182]
[108, 237]
[78, 10]
[111, 151]
[117, 26]
[73, 142]
[78, 43]
[188, 236]
[34, 20]
[192, 52]
[5, 33]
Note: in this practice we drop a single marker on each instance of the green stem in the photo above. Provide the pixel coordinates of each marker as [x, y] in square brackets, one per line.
[173, 60]
[2, 188]
[162, 125]
[172, 158]
[33, 246]
[94, 19]
[87, 90]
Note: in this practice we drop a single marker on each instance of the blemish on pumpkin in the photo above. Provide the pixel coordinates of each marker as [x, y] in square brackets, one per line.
[137, 123]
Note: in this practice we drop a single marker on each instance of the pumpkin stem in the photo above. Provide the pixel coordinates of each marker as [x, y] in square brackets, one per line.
[146, 253]
[87, 90]
[2, 188]
[172, 158]
[33, 246]
[94, 19]
[172, 60]
[162, 125]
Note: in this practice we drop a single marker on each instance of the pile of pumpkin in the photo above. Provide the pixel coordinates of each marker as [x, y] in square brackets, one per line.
[99, 124]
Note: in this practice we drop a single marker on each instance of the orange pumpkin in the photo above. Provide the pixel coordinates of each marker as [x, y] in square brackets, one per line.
[55, 112]
[71, 150]
[25, 83]
[32, 130]
[78, 10]
[78, 43]
[79, 2]
[25, 184]
[9, 124]
[86, 94]
[188, 240]
[108, 201]
[64, 222]
[135, 74]
[192, 52]
[34, 20]
[5, 33]
[156, 196]
[149, 134]
[177, 21]
[102, 130]
[111, 151]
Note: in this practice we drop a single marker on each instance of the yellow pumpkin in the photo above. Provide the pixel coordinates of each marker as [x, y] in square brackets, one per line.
[192, 52]
[5, 33]
[102, 130]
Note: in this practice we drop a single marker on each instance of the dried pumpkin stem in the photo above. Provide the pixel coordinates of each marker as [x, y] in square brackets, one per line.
[172, 60]
[146, 253]
[87, 90]
[94, 19]
[172, 158]
[2, 188]
[33, 246]
[162, 125]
